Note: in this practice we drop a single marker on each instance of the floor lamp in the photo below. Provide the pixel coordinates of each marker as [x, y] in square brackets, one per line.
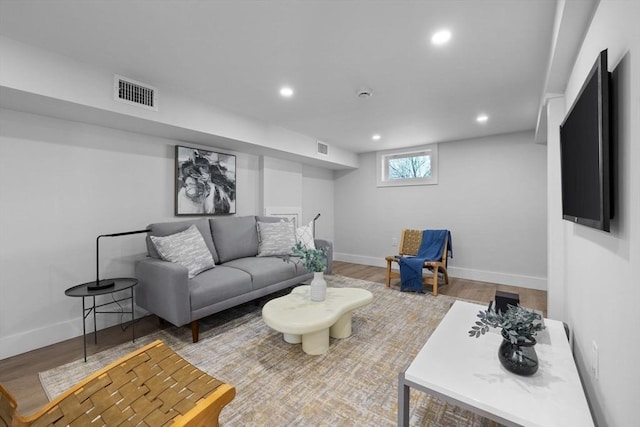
[314, 225]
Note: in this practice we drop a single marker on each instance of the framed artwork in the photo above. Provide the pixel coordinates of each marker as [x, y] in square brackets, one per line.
[205, 182]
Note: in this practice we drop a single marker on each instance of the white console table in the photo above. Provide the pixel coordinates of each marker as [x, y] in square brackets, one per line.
[466, 372]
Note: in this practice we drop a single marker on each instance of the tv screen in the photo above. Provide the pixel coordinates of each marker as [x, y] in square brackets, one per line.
[584, 152]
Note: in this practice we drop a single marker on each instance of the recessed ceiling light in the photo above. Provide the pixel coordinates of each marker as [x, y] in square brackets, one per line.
[364, 92]
[286, 91]
[376, 137]
[482, 118]
[441, 37]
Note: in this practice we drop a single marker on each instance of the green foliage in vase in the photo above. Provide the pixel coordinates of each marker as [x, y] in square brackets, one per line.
[519, 325]
[313, 259]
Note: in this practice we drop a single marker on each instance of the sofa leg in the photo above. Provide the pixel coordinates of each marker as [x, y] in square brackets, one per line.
[194, 330]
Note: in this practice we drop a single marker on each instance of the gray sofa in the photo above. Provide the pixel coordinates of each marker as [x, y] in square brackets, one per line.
[165, 289]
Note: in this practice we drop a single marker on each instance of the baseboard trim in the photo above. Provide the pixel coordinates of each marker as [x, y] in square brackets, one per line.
[524, 281]
[34, 339]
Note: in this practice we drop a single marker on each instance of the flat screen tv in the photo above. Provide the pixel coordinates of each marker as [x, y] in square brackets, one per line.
[584, 152]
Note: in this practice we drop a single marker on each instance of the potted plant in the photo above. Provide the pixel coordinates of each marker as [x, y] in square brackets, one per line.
[314, 260]
[519, 327]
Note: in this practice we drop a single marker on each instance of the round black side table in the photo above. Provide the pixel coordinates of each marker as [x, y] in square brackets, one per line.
[83, 291]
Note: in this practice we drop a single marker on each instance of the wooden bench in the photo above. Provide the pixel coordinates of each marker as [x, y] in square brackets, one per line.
[152, 386]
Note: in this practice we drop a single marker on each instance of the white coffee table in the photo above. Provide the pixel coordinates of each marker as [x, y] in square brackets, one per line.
[312, 323]
[466, 372]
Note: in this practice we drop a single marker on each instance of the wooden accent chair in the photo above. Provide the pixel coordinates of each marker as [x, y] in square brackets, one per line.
[152, 386]
[409, 245]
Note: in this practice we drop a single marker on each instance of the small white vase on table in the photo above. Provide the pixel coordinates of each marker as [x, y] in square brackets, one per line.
[318, 286]
[314, 260]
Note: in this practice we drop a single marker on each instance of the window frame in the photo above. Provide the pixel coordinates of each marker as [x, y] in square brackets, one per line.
[382, 166]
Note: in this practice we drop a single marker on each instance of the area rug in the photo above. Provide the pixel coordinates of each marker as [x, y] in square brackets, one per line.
[277, 384]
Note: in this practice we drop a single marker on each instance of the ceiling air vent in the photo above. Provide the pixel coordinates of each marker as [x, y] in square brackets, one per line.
[323, 148]
[135, 93]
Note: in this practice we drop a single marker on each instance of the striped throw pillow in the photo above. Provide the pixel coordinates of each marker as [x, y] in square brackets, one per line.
[186, 248]
[276, 238]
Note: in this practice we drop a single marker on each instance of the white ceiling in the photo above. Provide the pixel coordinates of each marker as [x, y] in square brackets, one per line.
[237, 54]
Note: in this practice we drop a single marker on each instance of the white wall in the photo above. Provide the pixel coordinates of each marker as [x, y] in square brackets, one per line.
[62, 184]
[491, 195]
[600, 289]
[281, 183]
[318, 198]
[555, 229]
[307, 189]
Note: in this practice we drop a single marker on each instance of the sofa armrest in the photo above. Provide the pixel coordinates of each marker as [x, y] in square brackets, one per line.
[328, 245]
[163, 290]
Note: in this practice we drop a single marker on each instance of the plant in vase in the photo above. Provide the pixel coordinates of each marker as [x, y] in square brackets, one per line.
[314, 260]
[519, 327]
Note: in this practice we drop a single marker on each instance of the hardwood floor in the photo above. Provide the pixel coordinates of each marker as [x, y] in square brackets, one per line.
[19, 374]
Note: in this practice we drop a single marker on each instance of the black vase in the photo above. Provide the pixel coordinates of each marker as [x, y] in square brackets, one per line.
[521, 358]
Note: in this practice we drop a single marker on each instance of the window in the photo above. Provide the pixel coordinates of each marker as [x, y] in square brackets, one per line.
[408, 166]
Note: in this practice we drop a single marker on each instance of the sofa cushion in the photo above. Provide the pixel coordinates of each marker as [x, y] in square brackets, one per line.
[167, 228]
[217, 285]
[186, 248]
[265, 271]
[275, 238]
[235, 237]
[304, 235]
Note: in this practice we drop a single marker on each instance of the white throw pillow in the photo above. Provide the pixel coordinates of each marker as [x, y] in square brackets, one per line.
[304, 235]
[186, 248]
[276, 238]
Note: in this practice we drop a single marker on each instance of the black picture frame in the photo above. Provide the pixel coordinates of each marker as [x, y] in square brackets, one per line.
[205, 182]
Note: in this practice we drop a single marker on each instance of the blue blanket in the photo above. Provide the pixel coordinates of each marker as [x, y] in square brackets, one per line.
[431, 249]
